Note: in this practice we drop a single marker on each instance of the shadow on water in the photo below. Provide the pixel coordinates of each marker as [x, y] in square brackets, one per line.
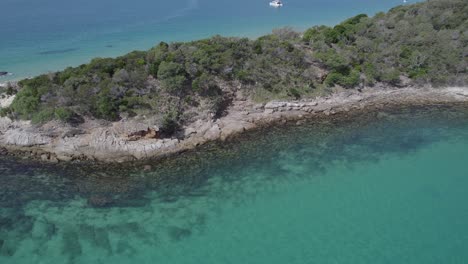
[219, 170]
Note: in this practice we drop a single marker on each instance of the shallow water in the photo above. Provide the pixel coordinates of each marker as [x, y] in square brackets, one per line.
[381, 187]
[49, 35]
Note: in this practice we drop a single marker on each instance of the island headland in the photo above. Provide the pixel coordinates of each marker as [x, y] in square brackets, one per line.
[178, 96]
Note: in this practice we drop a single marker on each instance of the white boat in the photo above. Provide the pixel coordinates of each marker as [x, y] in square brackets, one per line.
[276, 3]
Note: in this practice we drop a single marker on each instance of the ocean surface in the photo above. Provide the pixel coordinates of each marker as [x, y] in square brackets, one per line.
[380, 187]
[48, 35]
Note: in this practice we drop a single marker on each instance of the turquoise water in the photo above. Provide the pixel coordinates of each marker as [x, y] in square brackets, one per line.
[48, 35]
[383, 187]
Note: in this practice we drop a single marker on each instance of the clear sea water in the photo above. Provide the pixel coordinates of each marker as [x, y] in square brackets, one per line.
[377, 187]
[38, 36]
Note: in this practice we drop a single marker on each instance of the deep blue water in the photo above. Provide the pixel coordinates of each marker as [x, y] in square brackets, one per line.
[38, 36]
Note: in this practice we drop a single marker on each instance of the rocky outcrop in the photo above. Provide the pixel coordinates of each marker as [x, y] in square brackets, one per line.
[23, 138]
[6, 100]
[133, 140]
[144, 134]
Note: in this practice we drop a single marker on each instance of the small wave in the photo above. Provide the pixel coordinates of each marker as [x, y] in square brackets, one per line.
[60, 51]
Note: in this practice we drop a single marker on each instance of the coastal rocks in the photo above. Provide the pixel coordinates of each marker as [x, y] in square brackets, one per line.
[73, 133]
[275, 105]
[458, 92]
[5, 73]
[18, 137]
[65, 158]
[146, 134]
[197, 128]
[258, 107]
[305, 106]
[133, 139]
[213, 133]
[105, 144]
[189, 132]
[99, 201]
[170, 143]
[231, 127]
[128, 127]
[45, 157]
[5, 123]
[6, 100]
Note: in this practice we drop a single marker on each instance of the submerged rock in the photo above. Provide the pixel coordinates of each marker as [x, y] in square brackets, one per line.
[71, 246]
[177, 233]
[101, 238]
[98, 200]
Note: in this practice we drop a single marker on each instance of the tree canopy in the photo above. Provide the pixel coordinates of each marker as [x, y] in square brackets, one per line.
[425, 43]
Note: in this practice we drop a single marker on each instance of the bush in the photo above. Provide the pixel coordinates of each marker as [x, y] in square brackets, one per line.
[170, 123]
[106, 66]
[107, 107]
[172, 76]
[333, 78]
[43, 116]
[34, 83]
[26, 102]
[418, 73]
[63, 114]
[370, 71]
[349, 81]
[244, 77]
[5, 112]
[205, 85]
[391, 77]
[293, 92]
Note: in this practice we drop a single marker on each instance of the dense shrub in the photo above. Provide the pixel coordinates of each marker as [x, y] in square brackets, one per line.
[426, 42]
[173, 76]
[170, 123]
[26, 102]
[63, 114]
[43, 116]
[423, 41]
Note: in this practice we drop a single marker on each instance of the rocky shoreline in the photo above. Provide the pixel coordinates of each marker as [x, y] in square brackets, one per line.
[127, 140]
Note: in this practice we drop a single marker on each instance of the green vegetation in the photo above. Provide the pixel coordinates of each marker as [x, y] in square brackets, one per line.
[425, 43]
